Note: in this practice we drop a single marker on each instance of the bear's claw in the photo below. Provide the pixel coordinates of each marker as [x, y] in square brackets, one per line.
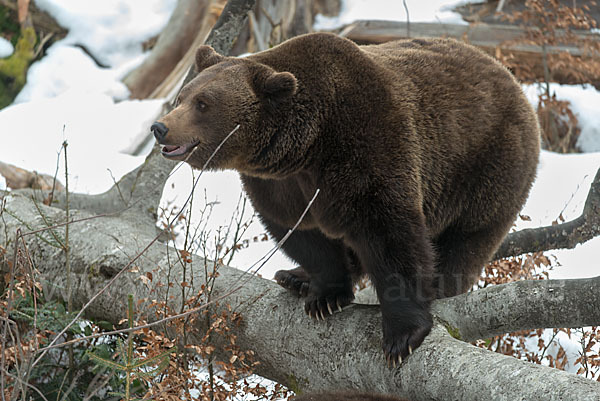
[399, 347]
[320, 308]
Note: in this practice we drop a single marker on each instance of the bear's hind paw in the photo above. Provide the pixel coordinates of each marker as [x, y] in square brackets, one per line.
[295, 280]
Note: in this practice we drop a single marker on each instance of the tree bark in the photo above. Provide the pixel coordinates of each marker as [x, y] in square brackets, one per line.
[340, 353]
[18, 178]
[522, 305]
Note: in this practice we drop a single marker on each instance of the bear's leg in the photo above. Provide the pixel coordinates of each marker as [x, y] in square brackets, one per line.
[461, 256]
[393, 244]
[324, 275]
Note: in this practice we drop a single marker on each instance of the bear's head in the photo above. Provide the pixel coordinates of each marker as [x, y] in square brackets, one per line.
[225, 93]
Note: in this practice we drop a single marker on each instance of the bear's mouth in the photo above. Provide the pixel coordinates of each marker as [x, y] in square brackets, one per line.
[178, 150]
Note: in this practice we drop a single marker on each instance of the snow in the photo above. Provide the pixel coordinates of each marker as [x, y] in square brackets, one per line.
[69, 97]
[6, 48]
[562, 184]
[419, 11]
[95, 127]
[222, 189]
[585, 102]
[112, 30]
[561, 187]
[66, 67]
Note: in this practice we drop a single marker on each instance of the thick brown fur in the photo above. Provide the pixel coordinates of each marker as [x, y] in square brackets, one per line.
[355, 396]
[423, 150]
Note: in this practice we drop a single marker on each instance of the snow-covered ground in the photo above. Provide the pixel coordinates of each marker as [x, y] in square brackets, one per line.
[6, 48]
[69, 97]
[113, 30]
[585, 102]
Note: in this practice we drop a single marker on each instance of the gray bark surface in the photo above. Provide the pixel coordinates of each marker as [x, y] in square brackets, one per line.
[340, 353]
[522, 305]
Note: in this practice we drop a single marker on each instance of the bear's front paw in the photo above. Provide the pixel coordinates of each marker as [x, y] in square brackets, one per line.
[400, 339]
[319, 307]
[296, 280]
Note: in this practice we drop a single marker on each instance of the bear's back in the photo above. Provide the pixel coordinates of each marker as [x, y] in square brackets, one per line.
[474, 127]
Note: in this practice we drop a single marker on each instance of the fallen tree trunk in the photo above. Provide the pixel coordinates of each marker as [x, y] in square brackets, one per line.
[340, 353]
[491, 38]
[189, 23]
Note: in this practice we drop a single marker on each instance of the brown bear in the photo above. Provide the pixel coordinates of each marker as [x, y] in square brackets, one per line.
[423, 150]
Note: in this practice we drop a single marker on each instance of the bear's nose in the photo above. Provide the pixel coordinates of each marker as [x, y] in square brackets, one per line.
[159, 130]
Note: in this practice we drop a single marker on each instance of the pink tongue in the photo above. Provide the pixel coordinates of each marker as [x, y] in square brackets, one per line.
[174, 150]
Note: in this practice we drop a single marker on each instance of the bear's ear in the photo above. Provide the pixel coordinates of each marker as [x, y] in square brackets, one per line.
[206, 56]
[280, 85]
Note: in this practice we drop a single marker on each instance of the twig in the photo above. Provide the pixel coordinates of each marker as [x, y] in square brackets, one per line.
[407, 19]
[10, 295]
[254, 25]
[69, 389]
[22, 382]
[116, 185]
[554, 334]
[34, 297]
[501, 5]
[41, 44]
[51, 195]
[68, 252]
[97, 216]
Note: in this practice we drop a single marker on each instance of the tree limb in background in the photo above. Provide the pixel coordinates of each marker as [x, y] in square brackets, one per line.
[560, 236]
[226, 30]
[18, 178]
[522, 305]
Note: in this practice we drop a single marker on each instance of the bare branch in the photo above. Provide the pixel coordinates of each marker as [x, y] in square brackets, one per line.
[522, 305]
[566, 235]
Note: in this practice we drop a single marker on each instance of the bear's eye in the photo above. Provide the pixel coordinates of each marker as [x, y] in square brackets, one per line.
[200, 105]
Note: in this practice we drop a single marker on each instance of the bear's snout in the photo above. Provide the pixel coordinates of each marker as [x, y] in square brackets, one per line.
[159, 130]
